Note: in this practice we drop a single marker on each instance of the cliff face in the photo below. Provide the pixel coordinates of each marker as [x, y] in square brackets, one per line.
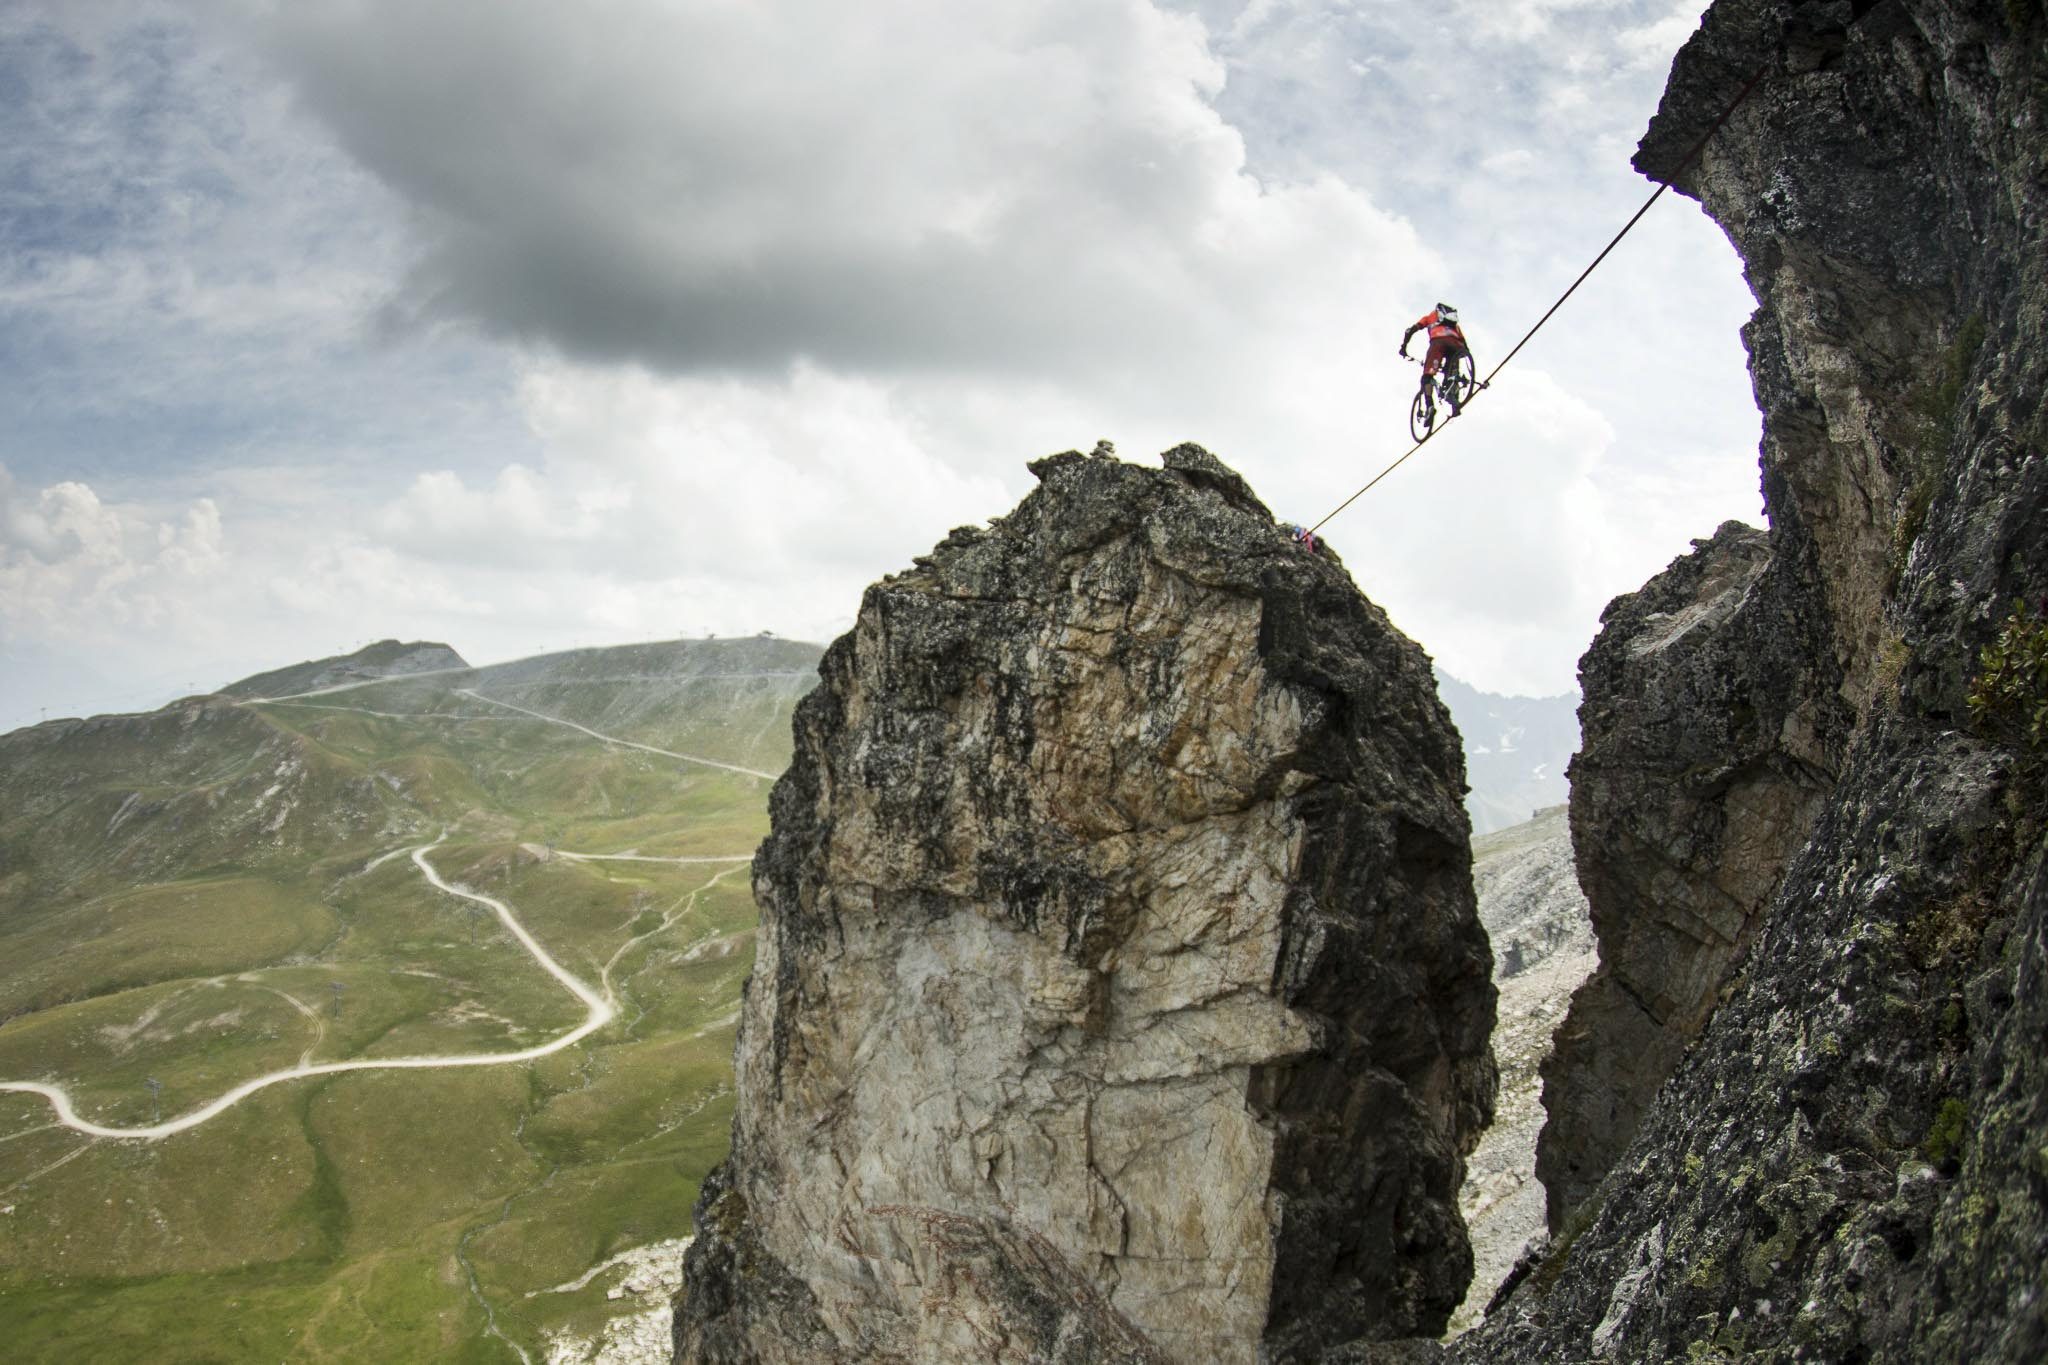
[1713, 726]
[1850, 1162]
[1120, 994]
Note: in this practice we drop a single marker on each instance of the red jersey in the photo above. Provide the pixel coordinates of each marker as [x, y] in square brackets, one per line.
[1438, 328]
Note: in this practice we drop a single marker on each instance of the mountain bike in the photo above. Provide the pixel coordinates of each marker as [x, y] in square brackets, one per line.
[1455, 385]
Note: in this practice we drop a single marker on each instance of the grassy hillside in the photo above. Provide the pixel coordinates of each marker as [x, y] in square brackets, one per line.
[207, 893]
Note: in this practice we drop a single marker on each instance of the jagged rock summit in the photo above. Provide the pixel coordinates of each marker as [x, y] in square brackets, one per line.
[1120, 993]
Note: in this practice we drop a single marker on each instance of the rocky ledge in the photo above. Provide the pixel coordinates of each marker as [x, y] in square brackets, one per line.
[1120, 993]
[1713, 726]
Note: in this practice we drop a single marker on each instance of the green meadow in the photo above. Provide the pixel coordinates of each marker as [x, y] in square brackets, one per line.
[199, 896]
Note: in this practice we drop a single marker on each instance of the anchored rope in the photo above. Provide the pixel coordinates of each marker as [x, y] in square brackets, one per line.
[1662, 186]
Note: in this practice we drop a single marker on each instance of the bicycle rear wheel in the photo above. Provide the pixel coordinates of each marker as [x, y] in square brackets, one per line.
[1422, 414]
[1464, 378]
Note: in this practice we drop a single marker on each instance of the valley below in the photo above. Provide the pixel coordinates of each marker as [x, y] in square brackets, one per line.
[351, 993]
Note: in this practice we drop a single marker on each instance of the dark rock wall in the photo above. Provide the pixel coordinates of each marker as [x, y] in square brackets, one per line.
[1713, 727]
[1120, 990]
[1850, 1163]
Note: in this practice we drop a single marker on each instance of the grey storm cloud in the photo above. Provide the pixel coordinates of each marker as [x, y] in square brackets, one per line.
[903, 184]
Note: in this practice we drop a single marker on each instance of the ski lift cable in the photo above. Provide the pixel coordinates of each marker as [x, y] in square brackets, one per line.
[1663, 185]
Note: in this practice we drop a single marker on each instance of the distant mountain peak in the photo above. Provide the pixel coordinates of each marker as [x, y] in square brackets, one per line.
[1516, 750]
[383, 659]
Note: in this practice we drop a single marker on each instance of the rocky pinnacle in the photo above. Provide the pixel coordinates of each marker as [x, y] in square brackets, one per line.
[1120, 994]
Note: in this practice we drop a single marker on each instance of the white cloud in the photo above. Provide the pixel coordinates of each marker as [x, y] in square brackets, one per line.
[1521, 20]
[343, 580]
[1651, 45]
[642, 470]
[519, 519]
[141, 184]
[1513, 161]
[70, 563]
[1479, 549]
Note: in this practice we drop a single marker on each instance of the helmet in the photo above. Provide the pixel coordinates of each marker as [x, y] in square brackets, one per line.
[1445, 312]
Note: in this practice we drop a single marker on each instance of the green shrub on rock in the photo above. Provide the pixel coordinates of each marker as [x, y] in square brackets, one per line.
[2010, 696]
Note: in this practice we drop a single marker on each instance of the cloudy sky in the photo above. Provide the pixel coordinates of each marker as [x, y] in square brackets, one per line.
[522, 325]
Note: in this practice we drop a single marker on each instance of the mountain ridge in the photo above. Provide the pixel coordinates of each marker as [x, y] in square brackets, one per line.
[1517, 750]
[380, 659]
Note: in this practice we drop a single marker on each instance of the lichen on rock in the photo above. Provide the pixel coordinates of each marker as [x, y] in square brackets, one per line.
[1120, 993]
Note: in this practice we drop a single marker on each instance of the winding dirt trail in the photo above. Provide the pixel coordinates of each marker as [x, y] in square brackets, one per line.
[600, 1012]
[332, 688]
[601, 1007]
[299, 698]
[612, 739]
[649, 857]
[306, 1011]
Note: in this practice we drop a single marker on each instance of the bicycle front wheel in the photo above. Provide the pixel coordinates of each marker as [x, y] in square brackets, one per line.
[1422, 415]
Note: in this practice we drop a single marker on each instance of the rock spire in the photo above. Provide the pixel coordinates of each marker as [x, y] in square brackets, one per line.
[1120, 994]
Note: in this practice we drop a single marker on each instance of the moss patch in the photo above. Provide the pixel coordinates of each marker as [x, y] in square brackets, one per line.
[1946, 1135]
